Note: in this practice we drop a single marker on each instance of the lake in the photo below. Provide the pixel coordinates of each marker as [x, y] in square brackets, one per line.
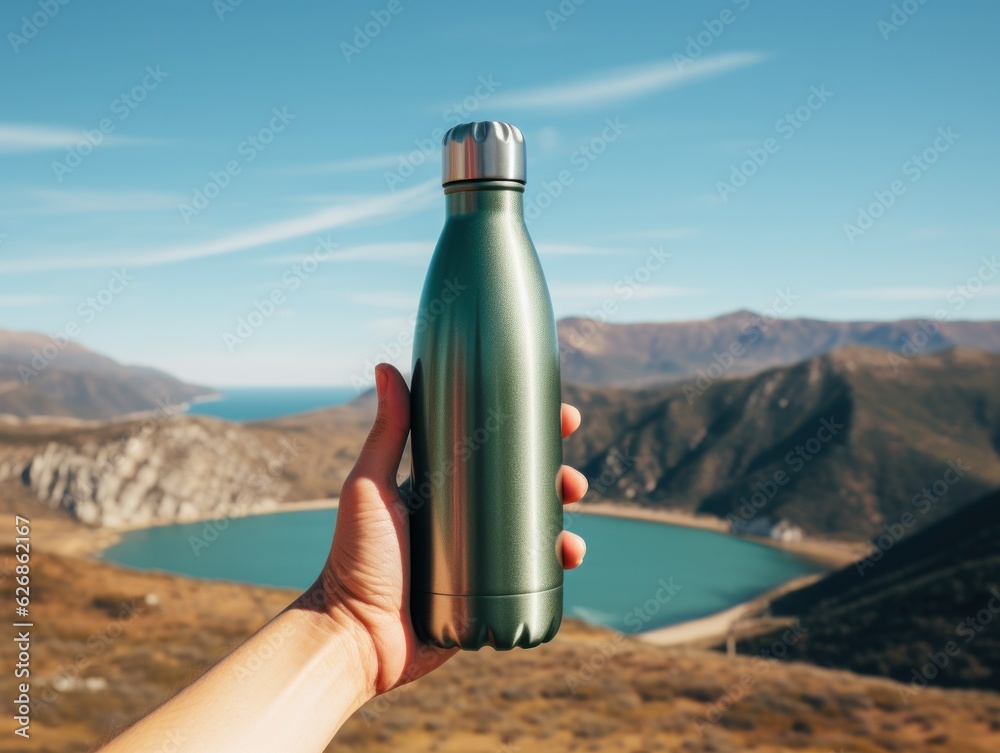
[631, 568]
[261, 403]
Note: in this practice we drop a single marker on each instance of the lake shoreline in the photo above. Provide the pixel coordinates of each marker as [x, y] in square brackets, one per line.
[64, 537]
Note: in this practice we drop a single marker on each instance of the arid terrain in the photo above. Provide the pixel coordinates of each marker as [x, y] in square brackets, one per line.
[112, 642]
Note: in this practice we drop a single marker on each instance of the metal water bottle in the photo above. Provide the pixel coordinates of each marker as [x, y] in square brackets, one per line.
[486, 443]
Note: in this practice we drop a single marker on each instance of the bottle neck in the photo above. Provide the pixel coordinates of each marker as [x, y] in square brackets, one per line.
[505, 196]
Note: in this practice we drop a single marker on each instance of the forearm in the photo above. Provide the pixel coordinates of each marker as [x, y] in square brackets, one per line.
[288, 687]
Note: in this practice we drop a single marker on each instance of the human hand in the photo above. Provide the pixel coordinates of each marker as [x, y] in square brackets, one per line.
[364, 585]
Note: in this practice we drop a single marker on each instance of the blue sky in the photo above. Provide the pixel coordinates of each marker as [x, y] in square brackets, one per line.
[210, 153]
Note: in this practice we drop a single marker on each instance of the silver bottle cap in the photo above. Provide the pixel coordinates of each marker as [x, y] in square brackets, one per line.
[486, 150]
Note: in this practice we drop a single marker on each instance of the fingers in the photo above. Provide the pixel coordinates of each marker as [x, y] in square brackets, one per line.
[570, 419]
[573, 549]
[379, 458]
[572, 484]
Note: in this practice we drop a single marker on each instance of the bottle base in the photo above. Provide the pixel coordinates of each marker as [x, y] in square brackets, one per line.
[472, 622]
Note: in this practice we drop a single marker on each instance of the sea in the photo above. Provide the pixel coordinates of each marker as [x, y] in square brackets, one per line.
[261, 403]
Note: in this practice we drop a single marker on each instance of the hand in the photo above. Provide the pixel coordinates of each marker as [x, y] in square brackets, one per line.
[365, 582]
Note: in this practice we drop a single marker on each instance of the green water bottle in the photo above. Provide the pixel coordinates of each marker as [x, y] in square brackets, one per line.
[486, 444]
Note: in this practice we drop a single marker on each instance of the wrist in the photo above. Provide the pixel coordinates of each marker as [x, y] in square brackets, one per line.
[339, 639]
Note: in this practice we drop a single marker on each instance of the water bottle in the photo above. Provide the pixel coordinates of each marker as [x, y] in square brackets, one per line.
[486, 438]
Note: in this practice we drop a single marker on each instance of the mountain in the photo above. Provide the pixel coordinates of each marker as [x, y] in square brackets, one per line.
[42, 376]
[741, 343]
[930, 598]
[837, 444]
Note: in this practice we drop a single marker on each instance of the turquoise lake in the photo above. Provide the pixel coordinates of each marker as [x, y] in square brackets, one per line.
[631, 567]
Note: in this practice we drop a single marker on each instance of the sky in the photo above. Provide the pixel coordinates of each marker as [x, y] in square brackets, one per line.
[169, 168]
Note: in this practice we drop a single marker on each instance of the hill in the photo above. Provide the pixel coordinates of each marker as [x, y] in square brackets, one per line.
[746, 342]
[46, 377]
[930, 598]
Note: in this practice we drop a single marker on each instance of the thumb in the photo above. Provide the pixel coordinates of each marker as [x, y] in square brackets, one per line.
[380, 456]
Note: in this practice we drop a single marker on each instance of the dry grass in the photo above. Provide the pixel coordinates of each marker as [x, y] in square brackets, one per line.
[587, 691]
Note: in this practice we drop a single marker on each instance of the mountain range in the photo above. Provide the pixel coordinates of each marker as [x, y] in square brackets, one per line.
[741, 343]
[45, 376]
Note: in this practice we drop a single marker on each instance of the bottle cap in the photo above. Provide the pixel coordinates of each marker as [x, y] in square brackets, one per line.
[485, 150]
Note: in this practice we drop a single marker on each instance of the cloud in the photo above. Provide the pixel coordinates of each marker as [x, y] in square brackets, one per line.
[622, 84]
[395, 251]
[908, 293]
[654, 234]
[400, 202]
[76, 202]
[10, 301]
[597, 291]
[406, 300]
[573, 249]
[24, 137]
[358, 164]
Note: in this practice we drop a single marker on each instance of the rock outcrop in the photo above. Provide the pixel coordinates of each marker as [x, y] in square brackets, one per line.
[171, 471]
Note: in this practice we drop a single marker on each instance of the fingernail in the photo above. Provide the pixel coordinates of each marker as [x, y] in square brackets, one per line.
[380, 381]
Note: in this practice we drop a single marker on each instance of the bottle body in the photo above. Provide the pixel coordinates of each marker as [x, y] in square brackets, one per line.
[486, 433]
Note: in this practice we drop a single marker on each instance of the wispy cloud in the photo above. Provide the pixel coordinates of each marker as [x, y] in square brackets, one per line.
[27, 137]
[596, 291]
[623, 83]
[395, 251]
[406, 300]
[907, 293]
[409, 200]
[81, 202]
[357, 164]
[11, 301]
[653, 234]
[573, 249]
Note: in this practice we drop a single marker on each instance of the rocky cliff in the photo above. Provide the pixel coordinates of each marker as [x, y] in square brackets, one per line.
[179, 469]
